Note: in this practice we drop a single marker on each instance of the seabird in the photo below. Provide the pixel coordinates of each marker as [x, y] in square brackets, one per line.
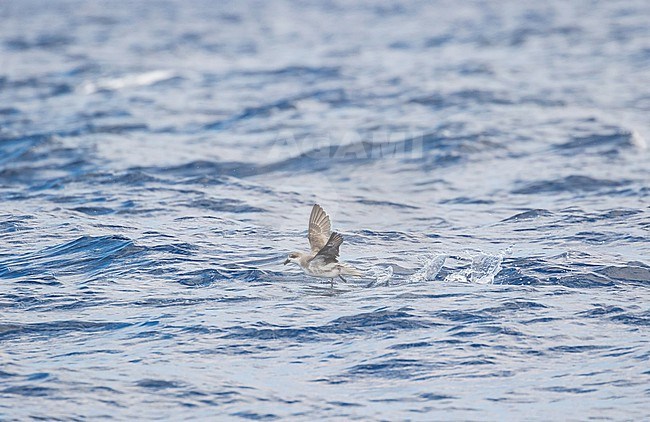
[322, 261]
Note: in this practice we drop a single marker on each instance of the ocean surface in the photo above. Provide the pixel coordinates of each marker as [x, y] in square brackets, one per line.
[488, 164]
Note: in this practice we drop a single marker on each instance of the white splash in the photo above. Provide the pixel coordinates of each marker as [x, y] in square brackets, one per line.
[483, 268]
[381, 276]
[430, 269]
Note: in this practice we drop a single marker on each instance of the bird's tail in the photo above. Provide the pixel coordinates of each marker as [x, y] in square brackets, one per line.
[350, 270]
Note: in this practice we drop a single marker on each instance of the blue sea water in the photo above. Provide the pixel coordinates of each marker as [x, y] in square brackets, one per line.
[487, 163]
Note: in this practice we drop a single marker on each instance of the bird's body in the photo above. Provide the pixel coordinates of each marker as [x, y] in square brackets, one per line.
[327, 270]
[322, 260]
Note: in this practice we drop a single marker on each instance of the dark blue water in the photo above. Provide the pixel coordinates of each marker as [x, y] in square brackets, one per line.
[487, 163]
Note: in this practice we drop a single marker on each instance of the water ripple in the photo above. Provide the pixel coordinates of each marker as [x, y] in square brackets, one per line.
[486, 165]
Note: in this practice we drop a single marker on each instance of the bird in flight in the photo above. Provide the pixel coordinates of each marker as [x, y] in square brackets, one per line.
[322, 261]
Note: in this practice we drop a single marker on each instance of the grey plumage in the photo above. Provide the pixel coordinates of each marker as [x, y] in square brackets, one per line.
[319, 228]
[322, 261]
[330, 252]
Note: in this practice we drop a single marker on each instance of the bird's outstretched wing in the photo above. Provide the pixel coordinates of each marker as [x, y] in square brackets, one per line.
[319, 228]
[330, 252]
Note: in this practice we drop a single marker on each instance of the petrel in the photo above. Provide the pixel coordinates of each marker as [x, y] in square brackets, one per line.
[322, 261]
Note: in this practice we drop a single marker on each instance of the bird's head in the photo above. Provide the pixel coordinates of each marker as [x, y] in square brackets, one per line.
[293, 257]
